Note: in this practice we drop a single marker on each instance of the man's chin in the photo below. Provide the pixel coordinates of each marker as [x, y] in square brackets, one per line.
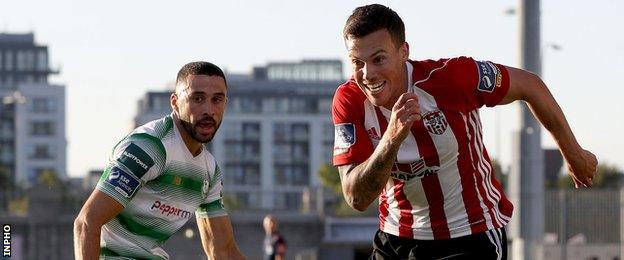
[203, 138]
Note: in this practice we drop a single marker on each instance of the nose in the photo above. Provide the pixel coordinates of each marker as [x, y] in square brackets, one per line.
[369, 73]
[209, 109]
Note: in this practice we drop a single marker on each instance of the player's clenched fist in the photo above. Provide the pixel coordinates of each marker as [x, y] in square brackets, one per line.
[404, 112]
[582, 168]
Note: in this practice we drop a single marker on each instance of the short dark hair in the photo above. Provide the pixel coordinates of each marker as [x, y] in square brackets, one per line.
[370, 18]
[199, 68]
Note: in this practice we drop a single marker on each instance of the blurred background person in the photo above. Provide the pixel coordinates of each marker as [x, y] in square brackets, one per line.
[274, 243]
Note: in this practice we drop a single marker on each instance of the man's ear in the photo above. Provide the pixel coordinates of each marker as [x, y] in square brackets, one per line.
[173, 100]
[404, 51]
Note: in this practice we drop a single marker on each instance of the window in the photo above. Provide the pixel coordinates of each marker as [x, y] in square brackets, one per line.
[42, 128]
[269, 105]
[21, 60]
[324, 105]
[251, 105]
[42, 60]
[294, 174]
[7, 155]
[41, 151]
[8, 60]
[300, 105]
[251, 131]
[233, 130]
[35, 174]
[236, 174]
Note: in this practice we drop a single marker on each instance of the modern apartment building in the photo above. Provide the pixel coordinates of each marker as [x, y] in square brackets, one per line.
[32, 112]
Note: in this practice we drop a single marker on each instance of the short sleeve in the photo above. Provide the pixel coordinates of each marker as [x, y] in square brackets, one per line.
[478, 83]
[135, 160]
[351, 142]
[213, 205]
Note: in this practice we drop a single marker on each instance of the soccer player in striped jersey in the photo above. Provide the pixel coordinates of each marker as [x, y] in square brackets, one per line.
[409, 133]
[158, 176]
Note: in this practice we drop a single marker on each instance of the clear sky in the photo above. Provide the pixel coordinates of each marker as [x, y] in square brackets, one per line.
[111, 52]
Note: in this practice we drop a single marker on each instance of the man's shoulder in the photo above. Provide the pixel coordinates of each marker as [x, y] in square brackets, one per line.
[349, 91]
[158, 128]
[150, 137]
[429, 65]
[442, 71]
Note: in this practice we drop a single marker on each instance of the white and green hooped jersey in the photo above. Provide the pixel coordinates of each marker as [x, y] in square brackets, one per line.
[160, 184]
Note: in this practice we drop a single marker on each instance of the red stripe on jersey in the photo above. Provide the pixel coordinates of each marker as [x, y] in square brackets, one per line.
[472, 203]
[435, 198]
[383, 199]
[383, 208]
[480, 182]
[431, 183]
[405, 207]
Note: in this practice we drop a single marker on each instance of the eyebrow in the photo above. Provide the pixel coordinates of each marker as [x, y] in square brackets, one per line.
[372, 55]
[204, 93]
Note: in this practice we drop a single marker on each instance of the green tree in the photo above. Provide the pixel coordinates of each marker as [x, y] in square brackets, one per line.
[607, 177]
[49, 178]
[330, 178]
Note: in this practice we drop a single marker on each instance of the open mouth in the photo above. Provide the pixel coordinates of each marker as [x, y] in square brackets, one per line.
[376, 88]
[205, 126]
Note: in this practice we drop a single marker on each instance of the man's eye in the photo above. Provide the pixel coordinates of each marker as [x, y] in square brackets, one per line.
[217, 100]
[198, 99]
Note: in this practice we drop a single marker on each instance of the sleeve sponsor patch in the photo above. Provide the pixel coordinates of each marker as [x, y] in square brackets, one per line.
[344, 137]
[489, 76]
[136, 160]
[124, 183]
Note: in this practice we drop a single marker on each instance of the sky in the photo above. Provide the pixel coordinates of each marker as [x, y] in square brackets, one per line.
[110, 53]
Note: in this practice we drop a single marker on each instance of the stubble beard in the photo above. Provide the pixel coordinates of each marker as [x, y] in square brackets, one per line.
[190, 129]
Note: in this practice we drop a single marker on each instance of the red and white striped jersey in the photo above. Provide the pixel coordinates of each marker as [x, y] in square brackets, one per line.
[442, 183]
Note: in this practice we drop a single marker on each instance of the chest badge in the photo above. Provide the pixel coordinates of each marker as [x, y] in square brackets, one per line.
[205, 189]
[435, 122]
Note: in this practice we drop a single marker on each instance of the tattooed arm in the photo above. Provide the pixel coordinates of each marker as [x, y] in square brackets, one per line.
[362, 183]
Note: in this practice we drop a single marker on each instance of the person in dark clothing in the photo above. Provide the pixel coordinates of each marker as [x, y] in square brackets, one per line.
[274, 244]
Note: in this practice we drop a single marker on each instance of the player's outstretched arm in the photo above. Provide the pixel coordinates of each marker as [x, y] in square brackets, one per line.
[217, 238]
[99, 209]
[529, 87]
[362, 183]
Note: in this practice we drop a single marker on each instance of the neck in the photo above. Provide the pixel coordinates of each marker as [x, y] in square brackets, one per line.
[192, 145]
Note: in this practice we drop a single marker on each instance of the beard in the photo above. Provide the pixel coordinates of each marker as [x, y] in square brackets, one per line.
[190, 129]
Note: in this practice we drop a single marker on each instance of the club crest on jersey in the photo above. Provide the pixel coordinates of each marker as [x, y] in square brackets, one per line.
[435, 122]
[344, 137]
[415, 169]
[489, 76]
[205, 189]
[372, 133]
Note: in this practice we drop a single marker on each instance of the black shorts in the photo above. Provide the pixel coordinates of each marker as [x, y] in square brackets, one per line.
[491, 244]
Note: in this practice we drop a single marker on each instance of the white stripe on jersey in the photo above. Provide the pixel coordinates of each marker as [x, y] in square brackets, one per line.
[392, 222]
[488, 219]
[497, 193]
[489, 193]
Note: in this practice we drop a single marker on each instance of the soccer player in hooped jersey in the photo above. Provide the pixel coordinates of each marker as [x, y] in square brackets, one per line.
[408, 132]
[158, 175]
